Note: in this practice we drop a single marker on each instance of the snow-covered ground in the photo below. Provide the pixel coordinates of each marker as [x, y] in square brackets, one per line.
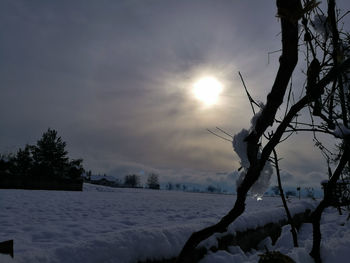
[103, 224]
[335, 244]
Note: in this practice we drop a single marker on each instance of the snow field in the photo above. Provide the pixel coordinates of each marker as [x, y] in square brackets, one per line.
[103, 224]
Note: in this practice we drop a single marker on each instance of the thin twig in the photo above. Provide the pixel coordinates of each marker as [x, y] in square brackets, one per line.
[310, 130]
[218, 135]
[289, 216]
[251, 101]
[224, 132]
[272, 52]
[289, 93]
[346, 13]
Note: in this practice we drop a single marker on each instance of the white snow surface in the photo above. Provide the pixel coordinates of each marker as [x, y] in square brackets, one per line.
[103, 224]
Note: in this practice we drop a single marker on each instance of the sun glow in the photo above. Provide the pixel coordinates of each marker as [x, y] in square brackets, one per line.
[207, 90]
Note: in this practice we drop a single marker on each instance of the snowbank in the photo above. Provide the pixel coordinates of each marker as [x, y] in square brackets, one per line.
[119, 225]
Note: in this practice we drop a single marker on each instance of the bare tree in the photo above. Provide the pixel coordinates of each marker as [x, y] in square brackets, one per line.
[323, 95]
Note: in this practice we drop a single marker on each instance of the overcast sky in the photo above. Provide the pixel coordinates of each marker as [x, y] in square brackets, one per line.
[115, 79]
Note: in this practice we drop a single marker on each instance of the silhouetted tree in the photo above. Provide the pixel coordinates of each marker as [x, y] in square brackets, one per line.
[153, 181]
[327, 74]
[23, 161]
[74, 169]
[47, 160]
[132, 180]
[6, 164]
[49, 155]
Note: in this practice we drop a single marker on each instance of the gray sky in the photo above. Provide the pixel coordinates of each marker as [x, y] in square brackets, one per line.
[115, 79]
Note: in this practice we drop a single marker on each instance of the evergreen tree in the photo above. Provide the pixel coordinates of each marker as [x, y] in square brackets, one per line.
[75, 169]
[50, 157]
[23, 162]
[43, 166]
[6, 164]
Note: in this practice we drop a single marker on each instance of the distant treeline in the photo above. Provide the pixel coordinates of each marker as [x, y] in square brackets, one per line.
[40, 165]
[130, 180]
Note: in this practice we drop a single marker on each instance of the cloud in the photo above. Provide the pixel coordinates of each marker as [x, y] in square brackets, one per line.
[290, 180]
[189, 177]
[114, 78]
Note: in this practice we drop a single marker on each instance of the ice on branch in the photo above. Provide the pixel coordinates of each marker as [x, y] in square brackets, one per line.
[240, 147]
[319, 23]
[262, 184]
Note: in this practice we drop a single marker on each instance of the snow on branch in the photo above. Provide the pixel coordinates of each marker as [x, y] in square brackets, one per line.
[341, 131]
[239, 144]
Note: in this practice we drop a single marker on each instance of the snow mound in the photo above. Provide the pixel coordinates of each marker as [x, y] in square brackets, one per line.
[117, 225]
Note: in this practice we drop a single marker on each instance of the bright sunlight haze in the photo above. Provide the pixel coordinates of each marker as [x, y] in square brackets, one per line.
[207, 90]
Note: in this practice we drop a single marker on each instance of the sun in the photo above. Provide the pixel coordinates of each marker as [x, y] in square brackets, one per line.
[207, 90]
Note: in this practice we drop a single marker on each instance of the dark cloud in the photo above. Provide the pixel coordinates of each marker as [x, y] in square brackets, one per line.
[114, 78]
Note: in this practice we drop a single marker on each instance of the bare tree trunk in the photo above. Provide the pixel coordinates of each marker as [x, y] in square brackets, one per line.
[316, 215]
[315, 220]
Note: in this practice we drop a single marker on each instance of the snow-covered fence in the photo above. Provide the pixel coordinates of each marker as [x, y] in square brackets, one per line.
[250, 238]
[249, 231]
